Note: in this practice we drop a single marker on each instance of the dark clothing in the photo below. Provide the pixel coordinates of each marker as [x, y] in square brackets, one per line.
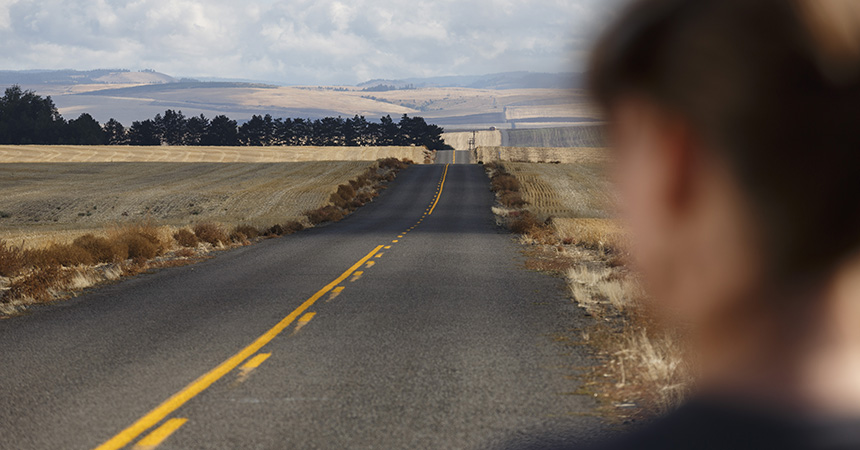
[711, 425]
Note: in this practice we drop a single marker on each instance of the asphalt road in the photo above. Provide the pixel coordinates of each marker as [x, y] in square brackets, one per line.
[395, 328]
[453, 157]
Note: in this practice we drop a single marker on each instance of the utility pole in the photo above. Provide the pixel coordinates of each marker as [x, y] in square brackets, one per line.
[473, 146]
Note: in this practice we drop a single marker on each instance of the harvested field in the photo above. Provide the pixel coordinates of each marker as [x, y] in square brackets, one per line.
[569, 191]
[60, 201]
[578, 136]
[566, 155]
[100, 154]
[460, 139]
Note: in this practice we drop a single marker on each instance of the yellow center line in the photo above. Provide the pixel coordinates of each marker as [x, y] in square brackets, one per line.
[255, 362]
[442, 186]
[196, 387]
[334, 293]
[154, 439]
[304, 321]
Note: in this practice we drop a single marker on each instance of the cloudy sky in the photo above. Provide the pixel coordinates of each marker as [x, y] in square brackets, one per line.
[301, 41]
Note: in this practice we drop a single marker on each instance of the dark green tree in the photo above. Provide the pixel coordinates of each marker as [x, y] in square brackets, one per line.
[26, 118]
[146, 132]
[222, 131]
[195, 130]
[388, 131]
[115, 133]
[84, 131]
[257, 131]
[173, 126]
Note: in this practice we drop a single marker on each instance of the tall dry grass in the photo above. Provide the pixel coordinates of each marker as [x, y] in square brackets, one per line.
[565, 220]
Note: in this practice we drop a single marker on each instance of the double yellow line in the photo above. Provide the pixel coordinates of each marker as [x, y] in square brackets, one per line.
[180, 398]
[199, 385]
[439, 194]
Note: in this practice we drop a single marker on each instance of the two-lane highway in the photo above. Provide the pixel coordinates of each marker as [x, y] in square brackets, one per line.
[454, 157]
[411, 324]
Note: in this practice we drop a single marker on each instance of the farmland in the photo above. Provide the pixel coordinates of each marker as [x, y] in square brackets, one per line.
[95, 154]
[60, 201]
[586, 156]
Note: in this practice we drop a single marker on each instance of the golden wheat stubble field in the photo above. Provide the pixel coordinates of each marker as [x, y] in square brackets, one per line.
[55, 194]
[576, 194]
[83, 153]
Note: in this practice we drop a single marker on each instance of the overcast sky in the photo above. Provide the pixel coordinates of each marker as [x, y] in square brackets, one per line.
[299, 41]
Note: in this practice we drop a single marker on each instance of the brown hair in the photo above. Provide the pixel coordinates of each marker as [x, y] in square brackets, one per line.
[771, 87]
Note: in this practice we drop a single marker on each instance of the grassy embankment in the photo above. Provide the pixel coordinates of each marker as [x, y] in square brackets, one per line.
[563, 214]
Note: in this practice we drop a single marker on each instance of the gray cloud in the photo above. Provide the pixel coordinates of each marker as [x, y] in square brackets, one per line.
[300, 41]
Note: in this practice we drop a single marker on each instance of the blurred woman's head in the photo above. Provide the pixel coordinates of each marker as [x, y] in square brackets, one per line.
[737, 130]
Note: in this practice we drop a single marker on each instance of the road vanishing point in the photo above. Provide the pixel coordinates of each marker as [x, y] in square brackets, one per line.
[411, 324]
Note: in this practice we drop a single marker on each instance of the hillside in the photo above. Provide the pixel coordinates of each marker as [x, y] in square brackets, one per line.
[498, 101]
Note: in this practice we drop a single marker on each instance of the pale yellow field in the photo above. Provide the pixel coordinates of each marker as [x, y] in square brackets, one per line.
[572, 191]
[74, 153]
[60, 201]
[485, 138]
[581, 155]
[578, 197]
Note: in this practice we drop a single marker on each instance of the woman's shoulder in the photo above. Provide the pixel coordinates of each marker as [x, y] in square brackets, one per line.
[704, 424]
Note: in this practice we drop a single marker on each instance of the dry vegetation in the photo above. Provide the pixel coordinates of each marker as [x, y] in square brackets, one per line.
[44, 202]
[108, 220]
[484, 138]
[93, 154]
[562, 213]
[576, 136]
[567, 155]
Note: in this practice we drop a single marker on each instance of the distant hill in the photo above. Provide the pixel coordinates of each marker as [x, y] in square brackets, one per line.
[513, 100]
[73, 77]
[507, 80]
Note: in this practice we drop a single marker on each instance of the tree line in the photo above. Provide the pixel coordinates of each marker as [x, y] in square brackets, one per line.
[27, 118]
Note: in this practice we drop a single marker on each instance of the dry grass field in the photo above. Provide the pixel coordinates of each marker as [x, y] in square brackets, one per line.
[60, 201]
[592, 135]
[566, 155]
[95, 154]
[567, 226]
[484, 138]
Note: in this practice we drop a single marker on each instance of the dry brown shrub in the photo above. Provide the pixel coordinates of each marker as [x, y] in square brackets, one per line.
[512, 199]
[186, 238]
[293, 227]
[185, 252]
[393, 163]
[343, 197]
[141, 247]
[211, 233]
[325, 214]
[59, 255]
[101, 249]
[275, 231]
[249, 231]
[524, 223]
[38, 285]
[504, 182]
[12, 260]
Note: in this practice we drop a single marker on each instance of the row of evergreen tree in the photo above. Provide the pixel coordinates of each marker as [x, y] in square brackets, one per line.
[27, 118]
